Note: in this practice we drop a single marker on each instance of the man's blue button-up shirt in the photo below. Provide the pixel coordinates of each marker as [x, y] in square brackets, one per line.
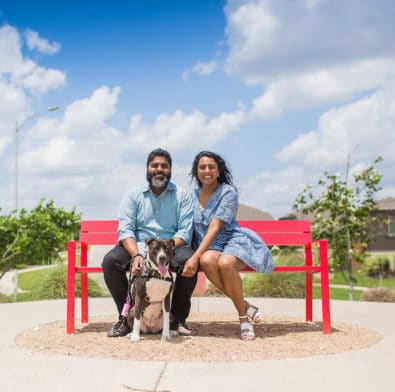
[142, 214]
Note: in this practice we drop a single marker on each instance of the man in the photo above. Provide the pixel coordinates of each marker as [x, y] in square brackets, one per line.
[161, 210]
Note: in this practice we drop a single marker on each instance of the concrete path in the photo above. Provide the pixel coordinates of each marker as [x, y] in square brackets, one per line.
[367, 370]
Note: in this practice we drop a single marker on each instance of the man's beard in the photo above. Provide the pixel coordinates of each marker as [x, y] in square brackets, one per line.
[158, 182]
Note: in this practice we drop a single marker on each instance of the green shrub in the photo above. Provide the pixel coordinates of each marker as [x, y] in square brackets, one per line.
[379, 294]
[276, 285]
[376, 267]
[4, 298]
[213, 291]
[53, 285]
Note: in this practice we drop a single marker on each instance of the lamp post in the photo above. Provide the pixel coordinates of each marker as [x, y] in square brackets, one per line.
[18, 126]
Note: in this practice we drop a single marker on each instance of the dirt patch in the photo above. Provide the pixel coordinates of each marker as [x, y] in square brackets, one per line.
[217, 341]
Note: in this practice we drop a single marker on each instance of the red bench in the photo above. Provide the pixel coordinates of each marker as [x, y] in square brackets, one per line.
[281, 232]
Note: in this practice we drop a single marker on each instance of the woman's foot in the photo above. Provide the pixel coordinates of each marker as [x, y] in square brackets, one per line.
[253, 313]
[246, 328]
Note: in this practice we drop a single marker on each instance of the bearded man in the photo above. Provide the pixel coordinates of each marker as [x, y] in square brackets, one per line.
[159, 209]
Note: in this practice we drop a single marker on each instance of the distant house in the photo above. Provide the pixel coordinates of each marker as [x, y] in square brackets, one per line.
[250, 213]
[384, 226]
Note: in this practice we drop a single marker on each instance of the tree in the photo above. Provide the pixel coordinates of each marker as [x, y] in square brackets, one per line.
[342, 213]
[36, 236]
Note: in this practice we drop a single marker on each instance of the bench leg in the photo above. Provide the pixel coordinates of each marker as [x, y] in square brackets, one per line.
[325, 294]
[84, 284]
[309, 283]
[309, 296]
[71, 287]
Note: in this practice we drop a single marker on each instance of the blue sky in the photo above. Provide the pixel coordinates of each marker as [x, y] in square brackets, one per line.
[283, 90]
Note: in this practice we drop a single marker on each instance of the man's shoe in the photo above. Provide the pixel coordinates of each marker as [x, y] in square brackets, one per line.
[182, 329]
[120, 328]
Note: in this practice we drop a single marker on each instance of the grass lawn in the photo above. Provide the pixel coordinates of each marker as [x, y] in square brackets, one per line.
[50, 283]
[363, 281]
[337, 293]
[27, 280]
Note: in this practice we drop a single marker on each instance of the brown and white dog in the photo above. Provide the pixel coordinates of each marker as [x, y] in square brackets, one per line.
[152, 290]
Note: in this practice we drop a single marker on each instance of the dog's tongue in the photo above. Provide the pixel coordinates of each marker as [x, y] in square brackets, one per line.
[162, 269]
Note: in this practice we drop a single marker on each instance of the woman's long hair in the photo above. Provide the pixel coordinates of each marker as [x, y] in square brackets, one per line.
[225, 175]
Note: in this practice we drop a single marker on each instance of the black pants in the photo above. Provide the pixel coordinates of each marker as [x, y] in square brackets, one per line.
[117, 262]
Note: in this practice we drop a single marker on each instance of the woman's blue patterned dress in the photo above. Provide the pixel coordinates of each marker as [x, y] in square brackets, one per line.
[231, 239]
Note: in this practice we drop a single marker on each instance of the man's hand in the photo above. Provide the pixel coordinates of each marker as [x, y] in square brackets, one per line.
[190, 268]
[137, 265]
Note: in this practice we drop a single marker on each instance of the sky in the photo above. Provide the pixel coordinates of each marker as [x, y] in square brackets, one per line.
[282, 90]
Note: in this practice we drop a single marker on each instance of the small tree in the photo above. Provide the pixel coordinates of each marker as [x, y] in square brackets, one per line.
[9, 237]
[342, 213]
[45, 232]
[35, 236]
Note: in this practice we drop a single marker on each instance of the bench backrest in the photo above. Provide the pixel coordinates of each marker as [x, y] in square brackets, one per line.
[281, 232]
[99, 232]
[273, 232]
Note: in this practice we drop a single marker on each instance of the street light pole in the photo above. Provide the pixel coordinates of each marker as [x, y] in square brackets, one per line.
[17, 128]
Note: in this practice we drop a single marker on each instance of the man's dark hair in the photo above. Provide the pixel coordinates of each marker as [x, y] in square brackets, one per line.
[158, 152]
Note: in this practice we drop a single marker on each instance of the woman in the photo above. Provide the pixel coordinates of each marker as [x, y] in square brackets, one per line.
[222, 247]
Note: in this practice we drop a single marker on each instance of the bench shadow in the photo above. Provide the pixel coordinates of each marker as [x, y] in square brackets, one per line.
[226, 330]
[231, 330]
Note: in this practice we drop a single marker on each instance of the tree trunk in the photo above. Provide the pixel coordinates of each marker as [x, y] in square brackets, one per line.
[350, 271]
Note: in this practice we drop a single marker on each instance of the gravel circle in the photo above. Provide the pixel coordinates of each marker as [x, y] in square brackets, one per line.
[218, 340]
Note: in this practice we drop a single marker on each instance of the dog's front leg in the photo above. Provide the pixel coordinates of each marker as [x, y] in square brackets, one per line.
[166, 318]
[135, 335]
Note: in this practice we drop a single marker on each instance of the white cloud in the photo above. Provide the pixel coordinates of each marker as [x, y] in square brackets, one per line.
[276, 38]
[205, 68]
[307, 53]
[274, 192]
[23, 72]
[180, 131]
[34, 41]
[13, 103]
[4, 141]
[363, 129]
[82, 142]
[322, 86]
[201, 68]
[43, 79]
[87, 116]
[250, 32]
[77, 159]
[10, 49]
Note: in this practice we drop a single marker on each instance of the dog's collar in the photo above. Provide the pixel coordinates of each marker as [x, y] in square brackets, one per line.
[150, 272]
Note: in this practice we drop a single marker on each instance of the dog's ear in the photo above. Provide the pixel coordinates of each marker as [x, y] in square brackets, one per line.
[172, 242]
[149, 240]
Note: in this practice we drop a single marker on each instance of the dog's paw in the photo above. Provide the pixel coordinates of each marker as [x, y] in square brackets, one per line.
[167, 338]
[174, 333]
[134, 338]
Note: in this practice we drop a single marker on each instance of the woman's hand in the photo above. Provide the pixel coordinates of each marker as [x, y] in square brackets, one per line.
[191, 266]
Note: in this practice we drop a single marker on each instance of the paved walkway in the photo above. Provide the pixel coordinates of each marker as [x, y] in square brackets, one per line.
[367, 370]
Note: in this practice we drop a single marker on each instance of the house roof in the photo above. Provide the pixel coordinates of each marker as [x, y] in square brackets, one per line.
[250, 213]
[387, 204]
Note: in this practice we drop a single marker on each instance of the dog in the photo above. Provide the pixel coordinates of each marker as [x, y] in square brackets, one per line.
[152, 290]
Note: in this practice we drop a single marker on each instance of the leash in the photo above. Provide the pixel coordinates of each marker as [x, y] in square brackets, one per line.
[128, 304]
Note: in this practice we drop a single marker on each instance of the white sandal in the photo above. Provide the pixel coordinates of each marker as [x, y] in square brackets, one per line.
[246, 329]
[254, 314]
